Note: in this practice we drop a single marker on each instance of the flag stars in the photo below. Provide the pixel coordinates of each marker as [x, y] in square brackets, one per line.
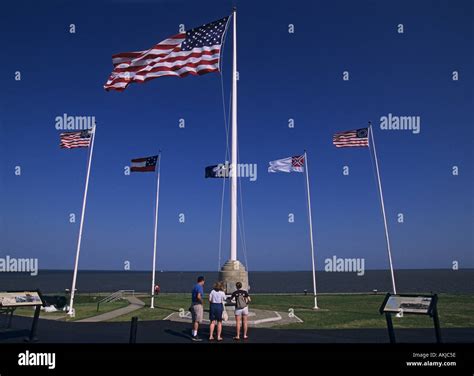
[205, 36]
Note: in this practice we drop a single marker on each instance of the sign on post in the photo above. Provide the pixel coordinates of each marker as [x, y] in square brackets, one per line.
[401, 304]
[20, 299]
[11, 300]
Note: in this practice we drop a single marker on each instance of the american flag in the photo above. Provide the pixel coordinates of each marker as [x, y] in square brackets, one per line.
[354, 138]
[146, 164]
[70, 140]
[195, 52]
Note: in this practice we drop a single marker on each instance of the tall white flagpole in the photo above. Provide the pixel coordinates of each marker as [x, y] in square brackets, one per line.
[71, 311]
[311, 230]
[233, 206]
[156, 232]
[387, 238]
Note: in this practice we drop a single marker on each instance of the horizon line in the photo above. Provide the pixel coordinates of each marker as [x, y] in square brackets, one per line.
[214, 271]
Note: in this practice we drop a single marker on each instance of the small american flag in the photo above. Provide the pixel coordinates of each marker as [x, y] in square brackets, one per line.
[71, 140]
[147, 164]
[195, 52]
[354, 138]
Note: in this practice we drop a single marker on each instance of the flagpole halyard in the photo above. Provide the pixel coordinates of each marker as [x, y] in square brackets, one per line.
[387, 238]
[234, 160]
[71, 312]
[155, 232]
[311, 230]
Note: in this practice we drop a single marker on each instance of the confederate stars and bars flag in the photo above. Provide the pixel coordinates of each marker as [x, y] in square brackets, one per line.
[354, 138]
[195, 52]
[290, 164]
[147, 164]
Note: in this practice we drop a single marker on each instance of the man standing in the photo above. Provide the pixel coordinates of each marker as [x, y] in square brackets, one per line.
[196, 308]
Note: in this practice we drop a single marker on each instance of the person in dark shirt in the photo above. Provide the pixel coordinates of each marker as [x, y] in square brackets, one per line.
[196, 308]
[241, 299]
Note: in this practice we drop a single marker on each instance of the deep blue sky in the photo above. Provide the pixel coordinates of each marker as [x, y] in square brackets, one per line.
[282, 76]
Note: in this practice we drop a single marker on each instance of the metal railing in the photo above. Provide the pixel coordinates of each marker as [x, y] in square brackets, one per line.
[117, 295]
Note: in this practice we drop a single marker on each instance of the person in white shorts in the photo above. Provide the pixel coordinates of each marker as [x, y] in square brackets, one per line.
[242, 300]
[196, 308]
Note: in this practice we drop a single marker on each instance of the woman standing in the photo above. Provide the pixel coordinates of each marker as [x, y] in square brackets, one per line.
[242, 300]
[216, 300]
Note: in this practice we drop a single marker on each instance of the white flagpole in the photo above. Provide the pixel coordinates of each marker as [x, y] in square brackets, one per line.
[387, 238]
[71, 312]
[156, 232]
[311, 230]
[233, 177]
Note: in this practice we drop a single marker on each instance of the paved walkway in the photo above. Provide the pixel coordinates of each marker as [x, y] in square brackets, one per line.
[258, 318]
[135, 304]
[161, 331]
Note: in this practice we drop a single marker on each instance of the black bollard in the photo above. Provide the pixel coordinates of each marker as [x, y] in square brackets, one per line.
[133, 329]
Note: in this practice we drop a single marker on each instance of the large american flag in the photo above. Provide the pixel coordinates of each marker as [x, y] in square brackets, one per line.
[354, 138]
[195, 52]
[70, 140]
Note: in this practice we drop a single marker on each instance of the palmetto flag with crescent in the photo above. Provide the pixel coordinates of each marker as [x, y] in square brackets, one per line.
[290, 164]
[217, 171]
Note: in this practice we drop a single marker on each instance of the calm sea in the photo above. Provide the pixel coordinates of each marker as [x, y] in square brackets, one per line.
[437, 281]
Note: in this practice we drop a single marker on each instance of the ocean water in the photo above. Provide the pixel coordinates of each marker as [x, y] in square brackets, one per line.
[425, 280]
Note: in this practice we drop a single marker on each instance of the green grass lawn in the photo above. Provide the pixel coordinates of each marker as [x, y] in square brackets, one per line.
[165, 304]
[361, 311]
[85, 306]
[337, 311]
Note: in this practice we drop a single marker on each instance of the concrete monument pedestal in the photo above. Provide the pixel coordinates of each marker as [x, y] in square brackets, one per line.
[232, 272]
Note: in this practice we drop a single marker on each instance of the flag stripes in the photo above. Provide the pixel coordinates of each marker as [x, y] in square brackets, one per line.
[194, 52]
[147, 164]
[71, 140]
[353, 138]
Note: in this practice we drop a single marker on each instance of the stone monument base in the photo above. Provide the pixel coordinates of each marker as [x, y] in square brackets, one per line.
[232, 272]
